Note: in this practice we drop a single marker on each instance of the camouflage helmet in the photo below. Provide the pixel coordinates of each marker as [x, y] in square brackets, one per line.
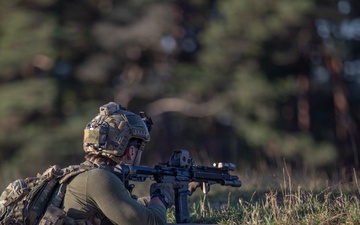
[110, 131]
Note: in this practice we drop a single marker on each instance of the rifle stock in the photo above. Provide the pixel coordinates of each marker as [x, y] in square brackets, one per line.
[180, 169]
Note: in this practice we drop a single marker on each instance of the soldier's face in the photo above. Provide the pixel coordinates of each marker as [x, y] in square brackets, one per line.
[132, 156]
[137, 158]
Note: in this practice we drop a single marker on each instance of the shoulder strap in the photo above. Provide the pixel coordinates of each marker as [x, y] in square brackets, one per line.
[62, 175]
[63, 179]
[72, 171]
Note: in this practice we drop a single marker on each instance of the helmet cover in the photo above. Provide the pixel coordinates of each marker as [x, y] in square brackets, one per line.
[110, 131]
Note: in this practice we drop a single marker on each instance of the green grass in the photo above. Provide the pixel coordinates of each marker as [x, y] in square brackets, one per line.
[288, 203]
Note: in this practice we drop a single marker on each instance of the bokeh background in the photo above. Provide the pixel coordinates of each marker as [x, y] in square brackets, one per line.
[256, 83]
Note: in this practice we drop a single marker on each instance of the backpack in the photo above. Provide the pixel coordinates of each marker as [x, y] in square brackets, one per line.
[37, 200]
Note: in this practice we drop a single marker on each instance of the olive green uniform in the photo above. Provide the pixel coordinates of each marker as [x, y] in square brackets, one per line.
[98, 193]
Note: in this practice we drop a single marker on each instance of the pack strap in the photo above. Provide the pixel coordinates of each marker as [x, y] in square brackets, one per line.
[63, 177]
[72, 171]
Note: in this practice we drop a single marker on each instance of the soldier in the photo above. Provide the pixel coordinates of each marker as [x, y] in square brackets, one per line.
[98, 196]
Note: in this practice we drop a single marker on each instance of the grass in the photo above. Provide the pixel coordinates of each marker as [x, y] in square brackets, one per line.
[286, 203]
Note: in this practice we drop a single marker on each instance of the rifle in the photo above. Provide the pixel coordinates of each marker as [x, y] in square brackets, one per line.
[180, 169]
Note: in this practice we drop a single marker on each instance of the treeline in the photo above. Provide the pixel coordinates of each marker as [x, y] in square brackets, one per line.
[257, 83]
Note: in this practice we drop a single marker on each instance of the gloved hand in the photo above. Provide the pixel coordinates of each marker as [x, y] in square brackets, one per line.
[164, 191]
[194, 185]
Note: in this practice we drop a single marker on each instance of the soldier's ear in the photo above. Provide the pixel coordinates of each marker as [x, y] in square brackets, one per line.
[130, 152]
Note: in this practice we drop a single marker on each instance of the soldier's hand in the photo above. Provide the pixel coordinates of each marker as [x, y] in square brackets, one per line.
[164, 191]
[194, 185]
[144, 200]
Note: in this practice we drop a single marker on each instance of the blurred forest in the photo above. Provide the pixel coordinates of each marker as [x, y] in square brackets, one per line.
[255, 83]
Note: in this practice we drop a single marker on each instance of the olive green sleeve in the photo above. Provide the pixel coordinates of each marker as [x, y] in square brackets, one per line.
[109, 194]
